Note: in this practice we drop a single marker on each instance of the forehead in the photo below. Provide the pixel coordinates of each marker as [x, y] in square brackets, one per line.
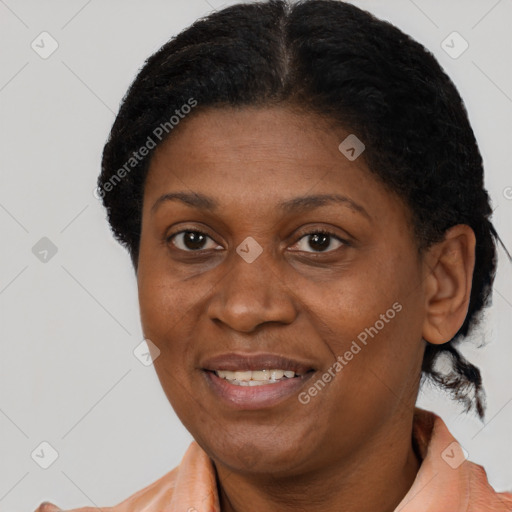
[266, 154]
[272, 141]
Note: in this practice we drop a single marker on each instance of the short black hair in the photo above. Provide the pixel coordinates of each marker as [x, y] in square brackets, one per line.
[333, 59]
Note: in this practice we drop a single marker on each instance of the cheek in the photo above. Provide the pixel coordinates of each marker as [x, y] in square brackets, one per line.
[164, 299]
[165, 307]
[355, 299]
[372, 318]
[166, 310]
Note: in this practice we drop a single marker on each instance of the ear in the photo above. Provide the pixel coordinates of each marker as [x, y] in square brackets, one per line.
[448, 267]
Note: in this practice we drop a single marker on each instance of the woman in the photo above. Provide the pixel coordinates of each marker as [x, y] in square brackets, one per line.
[302, 197]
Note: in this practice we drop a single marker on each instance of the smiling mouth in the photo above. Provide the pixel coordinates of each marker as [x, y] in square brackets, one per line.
[258, 377]
[242, 392]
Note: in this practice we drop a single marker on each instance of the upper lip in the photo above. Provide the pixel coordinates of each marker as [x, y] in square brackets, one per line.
[245, 362]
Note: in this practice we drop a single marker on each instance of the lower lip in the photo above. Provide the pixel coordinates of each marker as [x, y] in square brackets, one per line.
[255, 397]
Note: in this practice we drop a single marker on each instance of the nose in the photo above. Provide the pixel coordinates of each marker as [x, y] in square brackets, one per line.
[252, 294]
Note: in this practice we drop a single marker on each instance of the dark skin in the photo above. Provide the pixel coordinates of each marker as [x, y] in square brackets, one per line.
[350, 447]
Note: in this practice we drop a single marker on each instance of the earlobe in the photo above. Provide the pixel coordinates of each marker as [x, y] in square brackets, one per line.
[449, 267]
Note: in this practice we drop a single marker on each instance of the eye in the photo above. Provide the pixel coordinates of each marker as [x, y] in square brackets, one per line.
[191, 240]
[319, 241]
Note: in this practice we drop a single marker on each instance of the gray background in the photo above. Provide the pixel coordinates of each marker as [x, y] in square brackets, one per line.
[69, 325]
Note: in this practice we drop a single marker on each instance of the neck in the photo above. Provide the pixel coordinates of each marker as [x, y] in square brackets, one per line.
[375, 478]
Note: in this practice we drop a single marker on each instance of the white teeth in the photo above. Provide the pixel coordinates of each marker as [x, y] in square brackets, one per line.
[241, 375]
[255, 378]
[260, 375]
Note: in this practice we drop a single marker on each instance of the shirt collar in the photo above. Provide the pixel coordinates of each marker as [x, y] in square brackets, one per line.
[446, 481]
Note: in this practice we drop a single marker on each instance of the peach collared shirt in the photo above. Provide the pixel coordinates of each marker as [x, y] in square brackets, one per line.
[445, 482]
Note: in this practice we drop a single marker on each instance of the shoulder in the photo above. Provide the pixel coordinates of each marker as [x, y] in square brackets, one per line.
[446, 479]
[193, 476]
[483, 495]
[155, 495]
[46, 506]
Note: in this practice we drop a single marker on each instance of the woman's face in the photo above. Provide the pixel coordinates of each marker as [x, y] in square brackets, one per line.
[239, 267]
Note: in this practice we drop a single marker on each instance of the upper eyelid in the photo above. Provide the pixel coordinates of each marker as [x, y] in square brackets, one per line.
[185, 230]
[343, 241]
[168, 238]
[311, 231]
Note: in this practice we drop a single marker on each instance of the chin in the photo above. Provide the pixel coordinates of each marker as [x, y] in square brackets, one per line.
[248, 453]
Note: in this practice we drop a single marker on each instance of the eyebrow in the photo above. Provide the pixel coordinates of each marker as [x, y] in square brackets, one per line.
[295, 205]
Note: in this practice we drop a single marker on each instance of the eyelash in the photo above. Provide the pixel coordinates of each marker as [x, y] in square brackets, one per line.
[320, 231]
